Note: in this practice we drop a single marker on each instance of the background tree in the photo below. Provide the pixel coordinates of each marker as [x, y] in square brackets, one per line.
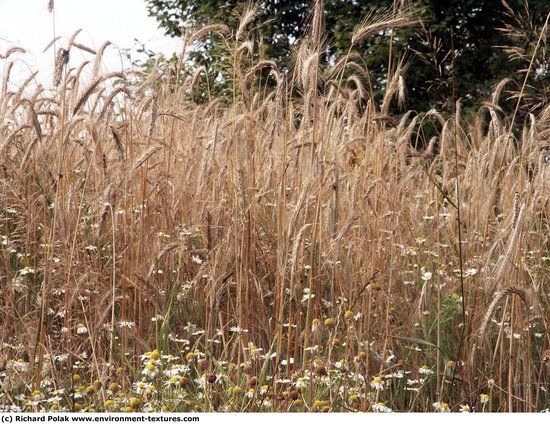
[453, 53]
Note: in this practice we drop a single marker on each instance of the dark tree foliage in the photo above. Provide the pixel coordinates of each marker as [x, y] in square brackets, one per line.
[456, 52]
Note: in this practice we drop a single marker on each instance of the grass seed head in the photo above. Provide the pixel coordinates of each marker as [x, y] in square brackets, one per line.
[203, 363]
[294, 394]
[321, 370]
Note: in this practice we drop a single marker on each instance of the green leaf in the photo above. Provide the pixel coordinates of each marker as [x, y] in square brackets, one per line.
[417, 341]
[423, 342]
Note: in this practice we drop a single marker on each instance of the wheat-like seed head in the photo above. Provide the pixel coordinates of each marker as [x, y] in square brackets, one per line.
[154, 116]
[216, 28]
[380, 21]
[61, 61]
[247, 17]
[11, 51]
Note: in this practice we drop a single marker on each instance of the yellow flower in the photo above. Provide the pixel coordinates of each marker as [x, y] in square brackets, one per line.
[319, 405]
[329, 322]
[135, 402]
[353, 399]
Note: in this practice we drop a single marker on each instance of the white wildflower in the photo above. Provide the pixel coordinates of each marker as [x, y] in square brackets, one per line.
[426, 275]
[20, 366]
[26, 270]
[81, 329]
[377, 383]
[441, 407]
[425, 370]
[470, 272]
[150, 370]
[380, 407]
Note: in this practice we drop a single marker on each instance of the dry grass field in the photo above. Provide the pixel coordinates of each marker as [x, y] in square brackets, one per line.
[290, 247]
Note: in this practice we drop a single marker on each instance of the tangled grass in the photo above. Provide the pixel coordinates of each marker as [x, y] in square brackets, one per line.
[292, 247]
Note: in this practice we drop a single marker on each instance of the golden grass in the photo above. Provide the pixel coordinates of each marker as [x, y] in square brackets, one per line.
[228, 233]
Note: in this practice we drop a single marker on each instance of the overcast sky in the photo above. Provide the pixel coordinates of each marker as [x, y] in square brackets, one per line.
[27, 24]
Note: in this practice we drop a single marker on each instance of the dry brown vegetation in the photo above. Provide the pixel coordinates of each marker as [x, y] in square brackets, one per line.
[295, 247]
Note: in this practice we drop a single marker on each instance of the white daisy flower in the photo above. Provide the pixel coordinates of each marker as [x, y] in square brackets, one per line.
[426, 275]
[150, 370]
[81, 329]
[441, 407]
[377, 383]
[380, 407]
[425, 370]
[20, 366]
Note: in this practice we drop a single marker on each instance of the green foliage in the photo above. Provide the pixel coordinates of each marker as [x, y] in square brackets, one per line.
[456, 50]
